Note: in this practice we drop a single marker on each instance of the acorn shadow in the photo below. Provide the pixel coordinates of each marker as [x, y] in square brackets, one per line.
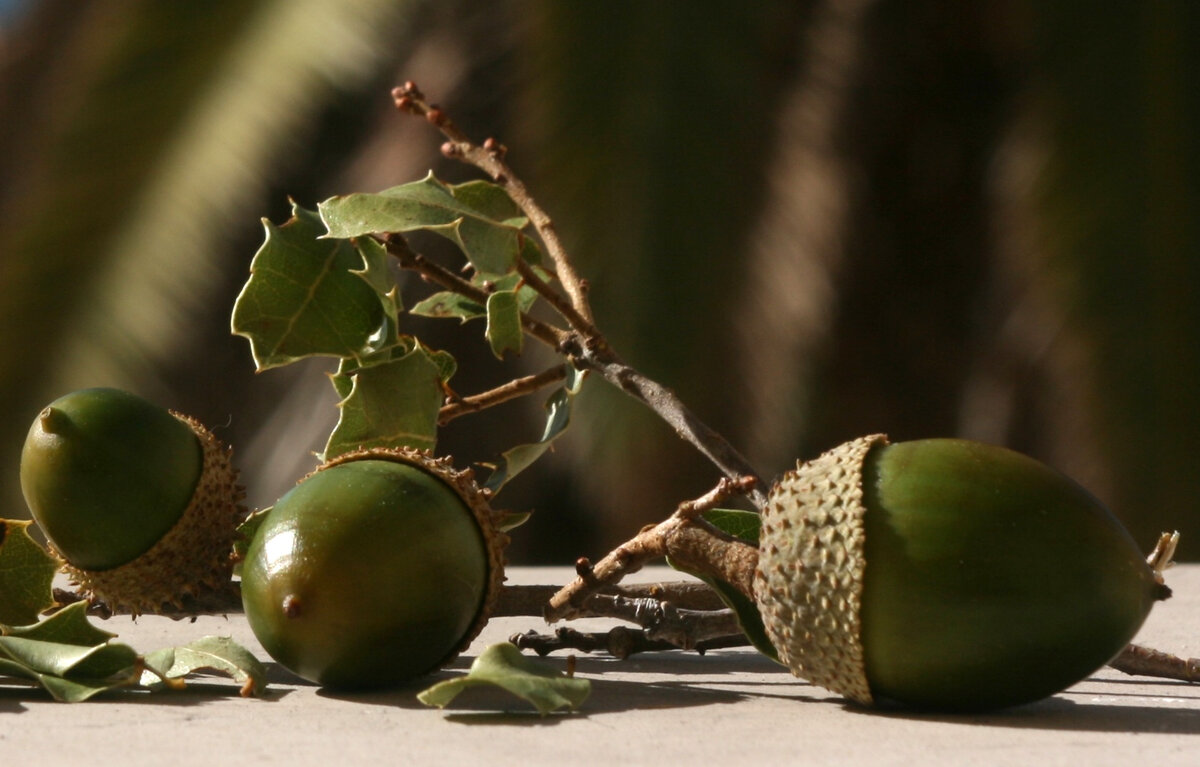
[1062, 712]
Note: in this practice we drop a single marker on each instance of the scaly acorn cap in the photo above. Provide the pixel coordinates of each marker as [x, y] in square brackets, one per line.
[809, 581]
[476, 498]
[193, 560]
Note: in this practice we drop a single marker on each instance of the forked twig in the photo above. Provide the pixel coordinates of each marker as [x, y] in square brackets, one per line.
[684, 535]
[619, 641]
[584, 346]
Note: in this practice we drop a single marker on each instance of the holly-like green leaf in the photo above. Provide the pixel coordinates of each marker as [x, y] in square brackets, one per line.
[391, 403]
[489, 200]
[503, 665]
[245, 534]
[167, 667]
[379, 277]
[736, 522]
[40, 656]
[68, 656]
[744, 525]
[69, 625]
[558, 417]
[26, 572]
[447, 304]
[491, 245]
[67, 689]
[504, 332]
[74, 660]
[308, 296]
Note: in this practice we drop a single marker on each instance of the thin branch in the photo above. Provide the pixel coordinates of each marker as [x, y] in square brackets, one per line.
[586, 347]
[443, 277]
[1143, 661]
[516, 388]
[532, 600]
[664, 621]
[619, 641]
[690, 541]
[666, 404]
[560, 303]
[490, 159]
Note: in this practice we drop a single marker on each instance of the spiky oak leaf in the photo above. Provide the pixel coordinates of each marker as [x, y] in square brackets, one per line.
[393, 403]
[744, 525]
[67, 656]
[448, 304]
[489, 200]
[375, 272]
[491, 245]
[26, 572]
[168, 667]
[558, 417]
[502, 665]
[309, 296]
[69, 625]
[74, 660]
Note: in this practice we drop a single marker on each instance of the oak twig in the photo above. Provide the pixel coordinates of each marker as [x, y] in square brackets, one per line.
[692, 543]
[397, 247]
[584, 346]
[602, 359]
[490, 159]
[531, 600]
[516, 388]
[1137, 660]
[619, 641]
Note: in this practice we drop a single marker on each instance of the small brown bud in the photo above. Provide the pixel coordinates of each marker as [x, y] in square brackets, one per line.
[495, 147]
[410, 89]
[583, 568]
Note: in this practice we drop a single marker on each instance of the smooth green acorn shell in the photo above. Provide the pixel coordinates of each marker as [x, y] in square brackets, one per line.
[967, 576]
[371, 571]
[106, 474]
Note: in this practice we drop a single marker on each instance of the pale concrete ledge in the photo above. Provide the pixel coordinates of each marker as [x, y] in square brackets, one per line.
[730, 707]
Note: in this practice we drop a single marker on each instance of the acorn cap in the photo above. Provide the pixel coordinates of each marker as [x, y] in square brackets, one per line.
[476, 498]
[193, 560]
[809, 581]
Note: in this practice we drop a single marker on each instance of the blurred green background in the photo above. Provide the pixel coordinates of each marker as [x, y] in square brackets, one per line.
[813, 220]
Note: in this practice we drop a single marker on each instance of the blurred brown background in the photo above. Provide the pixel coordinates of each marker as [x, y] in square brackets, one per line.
[814, 220]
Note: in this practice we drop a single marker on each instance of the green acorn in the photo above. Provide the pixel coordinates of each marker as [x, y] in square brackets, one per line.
[141, 503]
[944, 574]
[378, 567]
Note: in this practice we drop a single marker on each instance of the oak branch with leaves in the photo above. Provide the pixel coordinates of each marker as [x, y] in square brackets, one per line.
[322, 285]
[395, 390]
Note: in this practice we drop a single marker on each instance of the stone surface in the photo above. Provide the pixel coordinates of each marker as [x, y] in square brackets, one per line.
[728, 707]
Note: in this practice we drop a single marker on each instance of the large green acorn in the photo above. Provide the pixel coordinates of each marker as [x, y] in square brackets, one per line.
[376, 568]
[944, 574]
[140, 502]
